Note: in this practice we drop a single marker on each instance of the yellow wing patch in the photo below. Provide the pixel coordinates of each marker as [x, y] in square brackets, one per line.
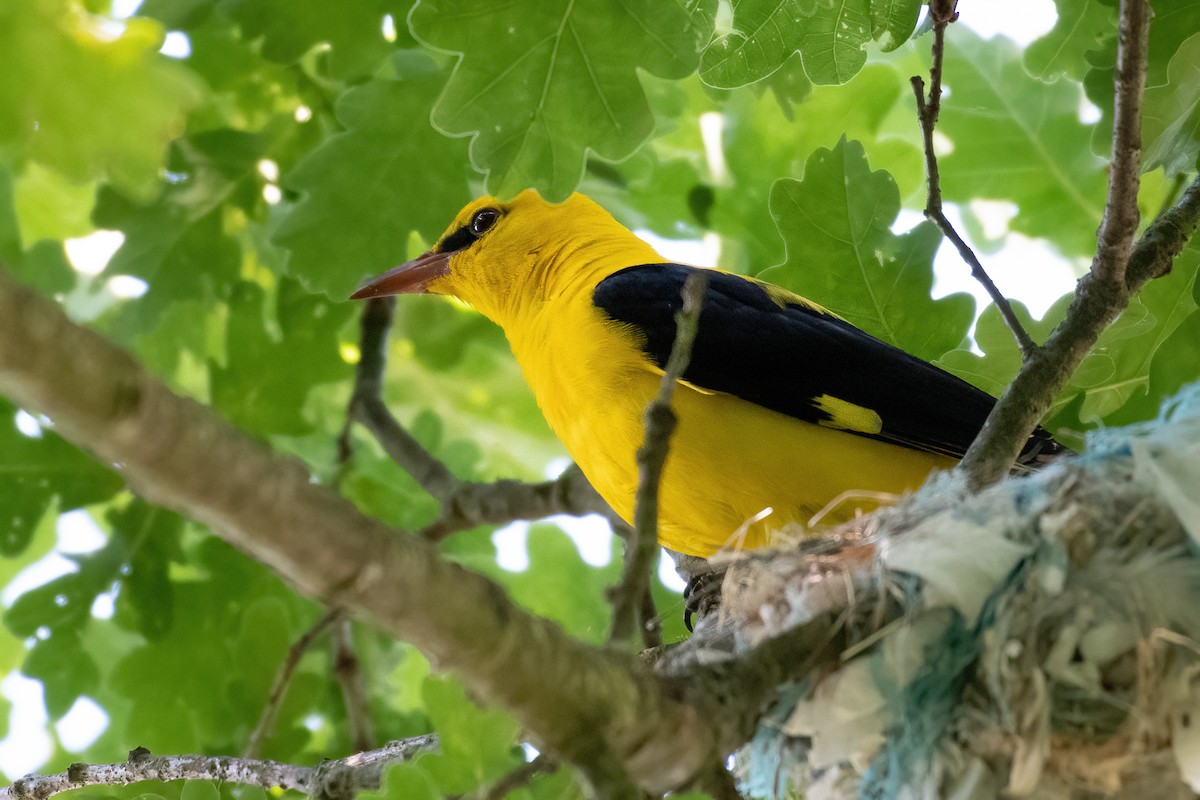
[847, 416]
[784, 298]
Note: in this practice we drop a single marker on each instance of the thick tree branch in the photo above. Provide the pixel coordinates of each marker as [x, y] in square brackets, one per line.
[1105, 291]
[942, 13]
[465, 504]
[582, 704]
[641, 548]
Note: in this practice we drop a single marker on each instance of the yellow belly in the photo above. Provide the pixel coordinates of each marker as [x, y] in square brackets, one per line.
[736, 472]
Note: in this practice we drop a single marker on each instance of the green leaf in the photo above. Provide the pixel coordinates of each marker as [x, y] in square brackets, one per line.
[60, 605]
[65, 669]
[50, 207]
[405, 781]
[1171, 115]
[893, 22]
[143, 542]
[178, 14]
[199, 790]
[558, 584]
[38, 471]
[830, 36]
[538, 85]
[1001, 358]
[1082, 26]
[840, 215]
[1018, 139]
[353, 29]
[44, 265]
[761, 144]
[559, 785]
[10, 229]
[1174, 21]
[148, 538]
[84, 103]
[366, 189]
[178, 243]
[261, 645]
[266, 378]
[1118, 368]
[477, 745]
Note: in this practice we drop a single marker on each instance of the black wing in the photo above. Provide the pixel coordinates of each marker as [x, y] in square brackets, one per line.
[773, 349]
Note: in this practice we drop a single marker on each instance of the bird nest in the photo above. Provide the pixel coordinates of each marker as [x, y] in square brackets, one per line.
[1036, 639]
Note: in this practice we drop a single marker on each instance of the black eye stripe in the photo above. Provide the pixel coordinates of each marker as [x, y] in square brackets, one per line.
[465, 236]
[459, 240]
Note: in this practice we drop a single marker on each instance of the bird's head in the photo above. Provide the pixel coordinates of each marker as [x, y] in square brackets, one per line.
[501, 257]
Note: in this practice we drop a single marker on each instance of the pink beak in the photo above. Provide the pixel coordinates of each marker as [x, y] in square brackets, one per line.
[409, 278]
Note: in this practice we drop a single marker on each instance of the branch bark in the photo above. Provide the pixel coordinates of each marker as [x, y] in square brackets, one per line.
[1105, 291]
[338, 779]
[465, 504]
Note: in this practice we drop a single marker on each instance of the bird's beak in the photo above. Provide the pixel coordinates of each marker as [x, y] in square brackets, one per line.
[409, 278]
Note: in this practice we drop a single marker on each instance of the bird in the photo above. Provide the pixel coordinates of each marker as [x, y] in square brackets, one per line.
[783, 407]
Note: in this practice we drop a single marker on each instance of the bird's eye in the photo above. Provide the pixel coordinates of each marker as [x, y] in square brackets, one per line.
[483, 220]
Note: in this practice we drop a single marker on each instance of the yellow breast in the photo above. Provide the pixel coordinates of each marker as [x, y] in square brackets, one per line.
[736, 473]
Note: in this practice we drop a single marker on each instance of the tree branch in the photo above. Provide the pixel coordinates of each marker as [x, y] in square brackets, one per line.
[344, 775]
[465, 504]
[1105, 291]
[348, 670]
[142, 766]
[582, 704]
[1121, 215]
[642, 547]
[942, 13]
[343, 778]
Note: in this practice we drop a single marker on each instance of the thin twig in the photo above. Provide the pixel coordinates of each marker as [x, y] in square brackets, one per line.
[1118, 270]
[1121, 215]
[367, 407]
[520, 777]
[651, 626]
[642, 548]
[348, 670]
[343, 778]
[470, 504]
[283, 679]
[942, 13]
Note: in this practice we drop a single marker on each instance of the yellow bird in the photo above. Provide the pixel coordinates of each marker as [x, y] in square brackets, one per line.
[784, 406]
